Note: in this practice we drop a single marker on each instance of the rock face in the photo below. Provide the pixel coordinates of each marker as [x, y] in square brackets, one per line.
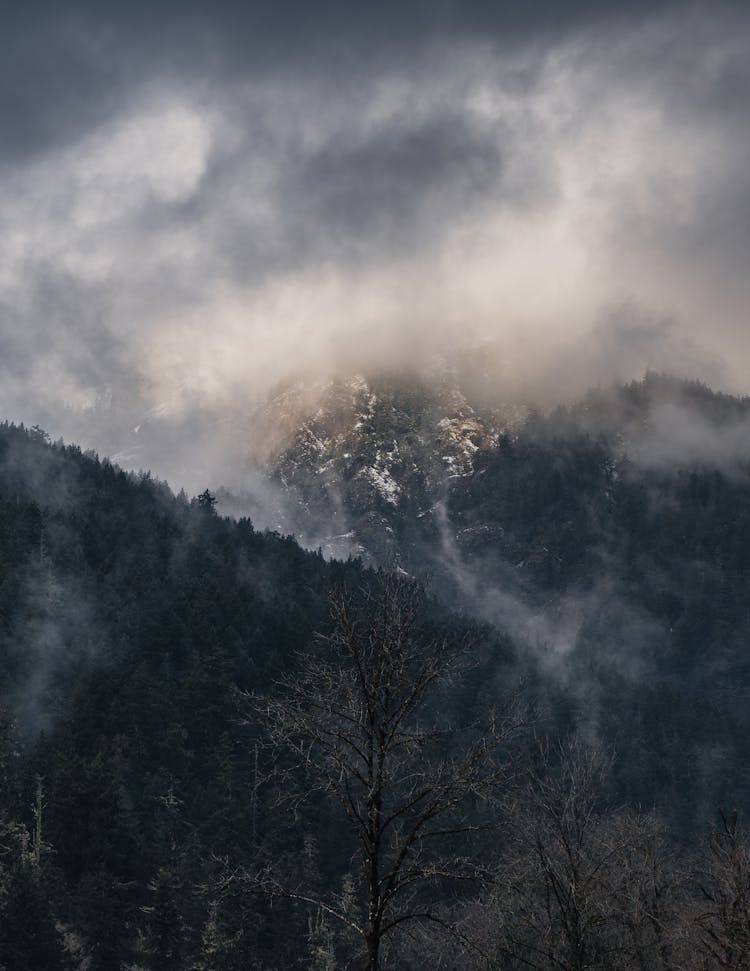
[365, 461]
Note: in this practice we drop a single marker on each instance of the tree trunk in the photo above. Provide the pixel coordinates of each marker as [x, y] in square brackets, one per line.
[373, 947]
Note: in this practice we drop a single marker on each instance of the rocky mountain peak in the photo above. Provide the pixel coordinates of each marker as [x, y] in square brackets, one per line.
[356, 451]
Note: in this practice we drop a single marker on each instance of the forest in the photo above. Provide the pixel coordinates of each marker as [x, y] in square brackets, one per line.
[220, 751]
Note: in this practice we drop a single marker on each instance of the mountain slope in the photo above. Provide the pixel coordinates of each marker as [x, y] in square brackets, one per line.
[610, 539]
[356, 459]
[131, 622]
[130, 619]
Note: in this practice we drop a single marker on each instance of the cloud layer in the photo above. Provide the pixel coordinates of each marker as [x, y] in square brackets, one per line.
[196, 205]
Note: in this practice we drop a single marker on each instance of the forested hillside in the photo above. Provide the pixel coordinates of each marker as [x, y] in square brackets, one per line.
[610, 539]
[129, 618]
[131, 624]
[188, 706]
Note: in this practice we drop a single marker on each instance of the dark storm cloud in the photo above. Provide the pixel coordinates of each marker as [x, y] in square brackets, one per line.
[57, 79]
[66, 66]
[387, 186]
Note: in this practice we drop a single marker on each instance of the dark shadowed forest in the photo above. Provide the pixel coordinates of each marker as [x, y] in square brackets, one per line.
[221, 751]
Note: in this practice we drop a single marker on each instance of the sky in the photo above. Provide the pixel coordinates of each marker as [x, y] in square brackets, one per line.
[198, 201]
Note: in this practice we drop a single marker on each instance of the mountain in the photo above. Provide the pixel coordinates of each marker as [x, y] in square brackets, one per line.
[594, 563]
[356, 459]
[610, 539]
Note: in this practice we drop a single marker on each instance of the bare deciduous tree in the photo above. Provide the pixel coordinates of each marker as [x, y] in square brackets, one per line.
[552, 879]
[647, 895]
[581, 888]
[359, 718]
[724, 921]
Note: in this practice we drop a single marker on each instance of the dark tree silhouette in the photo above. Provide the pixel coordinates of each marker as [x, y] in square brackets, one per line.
[206, 501]
[358, 718]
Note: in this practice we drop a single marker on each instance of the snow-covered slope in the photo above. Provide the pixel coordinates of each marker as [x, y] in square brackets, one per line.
[360, 458]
